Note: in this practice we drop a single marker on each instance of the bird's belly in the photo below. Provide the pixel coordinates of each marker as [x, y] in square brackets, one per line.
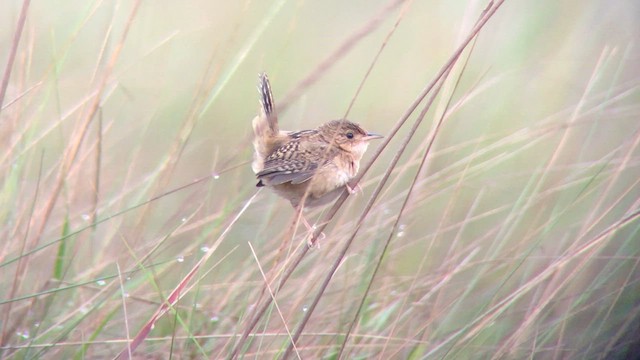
[327, 180]
[326, 198]
[323, 188]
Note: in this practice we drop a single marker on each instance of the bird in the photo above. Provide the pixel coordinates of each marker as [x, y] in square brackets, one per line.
[309, 168]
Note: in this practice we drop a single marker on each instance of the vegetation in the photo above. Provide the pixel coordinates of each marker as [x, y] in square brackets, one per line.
[498, 219]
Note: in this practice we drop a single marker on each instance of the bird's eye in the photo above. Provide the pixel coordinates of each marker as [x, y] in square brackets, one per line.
[349, 135]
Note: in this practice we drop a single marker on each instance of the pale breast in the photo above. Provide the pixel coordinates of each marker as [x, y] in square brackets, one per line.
[332, 176]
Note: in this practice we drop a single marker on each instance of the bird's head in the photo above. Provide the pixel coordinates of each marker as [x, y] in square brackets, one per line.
[348, 136]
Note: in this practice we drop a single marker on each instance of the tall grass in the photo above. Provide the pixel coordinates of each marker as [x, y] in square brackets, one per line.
[504, 224]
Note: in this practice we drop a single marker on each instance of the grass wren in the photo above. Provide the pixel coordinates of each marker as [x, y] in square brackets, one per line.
[309, 167]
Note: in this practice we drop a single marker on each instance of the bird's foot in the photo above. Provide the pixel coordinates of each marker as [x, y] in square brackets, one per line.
[354, 189]
[311, 243]
[310, 231]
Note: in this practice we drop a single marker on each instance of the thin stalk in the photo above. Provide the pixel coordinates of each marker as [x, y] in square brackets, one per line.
[260, 310]
[14, 49]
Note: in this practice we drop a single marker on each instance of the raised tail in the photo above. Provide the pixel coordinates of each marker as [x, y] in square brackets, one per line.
[265, 124]
[266, 100]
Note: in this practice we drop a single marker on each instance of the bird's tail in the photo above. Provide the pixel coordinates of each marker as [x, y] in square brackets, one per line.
[265, 124]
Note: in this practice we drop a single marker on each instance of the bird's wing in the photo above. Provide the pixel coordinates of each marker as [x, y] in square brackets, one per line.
[295, 161]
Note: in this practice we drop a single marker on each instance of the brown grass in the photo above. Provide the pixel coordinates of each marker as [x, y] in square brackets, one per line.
[501, 221]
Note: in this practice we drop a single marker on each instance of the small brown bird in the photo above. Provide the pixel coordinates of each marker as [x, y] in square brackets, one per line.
[309, 167]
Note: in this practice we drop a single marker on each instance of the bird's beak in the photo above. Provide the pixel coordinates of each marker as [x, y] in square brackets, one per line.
[372, 136]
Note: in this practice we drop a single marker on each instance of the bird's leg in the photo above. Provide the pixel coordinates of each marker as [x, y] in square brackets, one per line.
[310, 229]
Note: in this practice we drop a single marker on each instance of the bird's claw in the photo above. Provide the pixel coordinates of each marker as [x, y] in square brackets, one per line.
[311, 244]
[354, 190]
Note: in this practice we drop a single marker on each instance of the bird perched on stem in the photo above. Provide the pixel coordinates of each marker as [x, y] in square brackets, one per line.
[309, 167]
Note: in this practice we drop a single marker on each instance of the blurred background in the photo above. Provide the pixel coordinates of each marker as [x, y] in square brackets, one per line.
[126, 145]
